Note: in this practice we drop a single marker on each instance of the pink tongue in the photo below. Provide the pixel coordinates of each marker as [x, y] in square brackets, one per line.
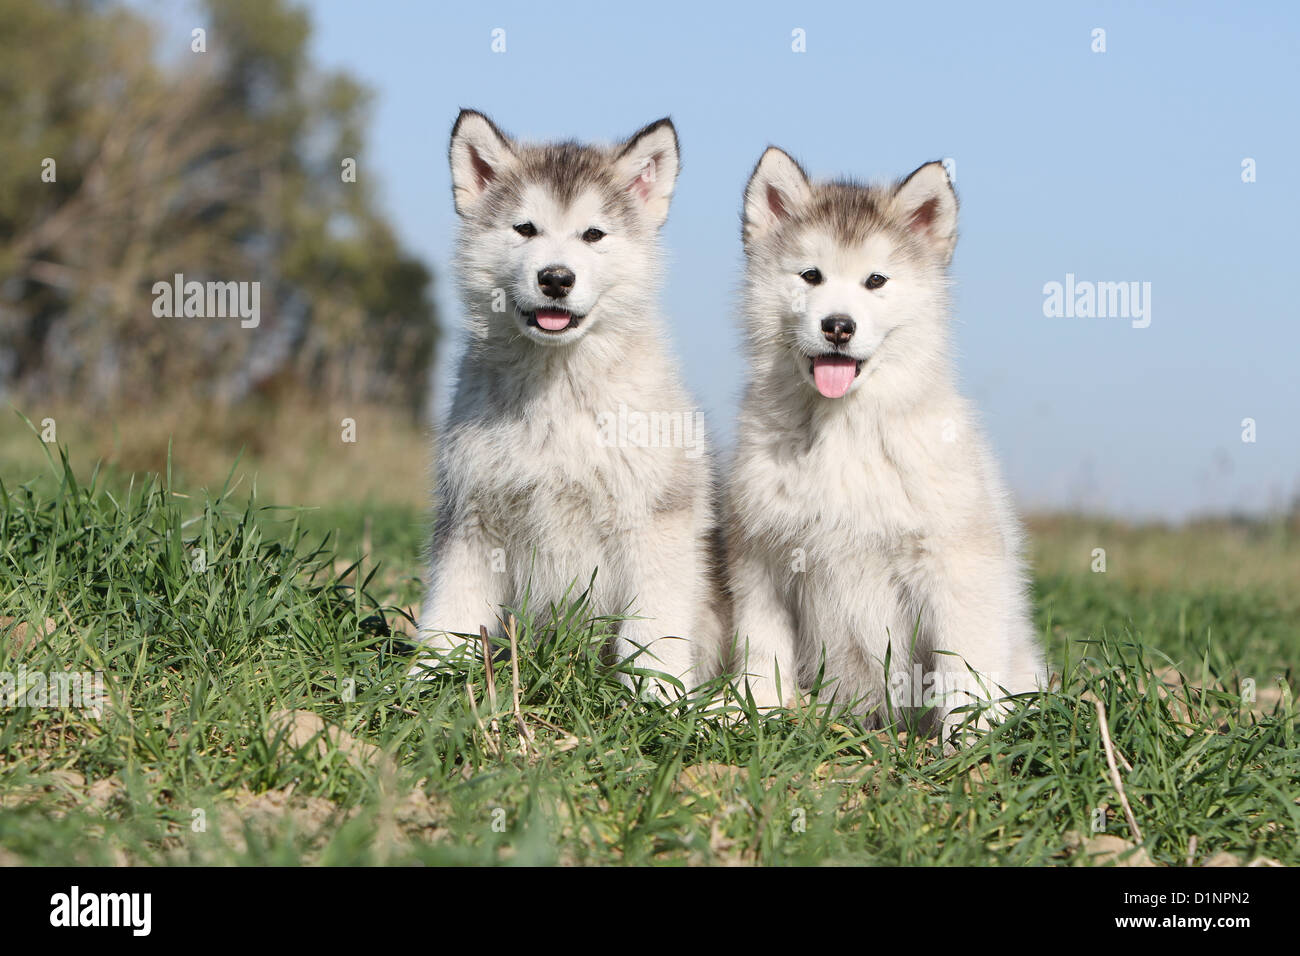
[552, 320]
[833, 374]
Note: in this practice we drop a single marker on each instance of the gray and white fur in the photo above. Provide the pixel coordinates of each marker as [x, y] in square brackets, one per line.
[558, 265]
[867, 520]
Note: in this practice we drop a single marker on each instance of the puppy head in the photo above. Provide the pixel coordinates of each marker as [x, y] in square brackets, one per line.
[557, 237]
[844, 276]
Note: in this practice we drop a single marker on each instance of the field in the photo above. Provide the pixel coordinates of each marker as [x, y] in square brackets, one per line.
[256, 713]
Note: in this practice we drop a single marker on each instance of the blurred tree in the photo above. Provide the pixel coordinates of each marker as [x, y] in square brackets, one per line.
[222, 166]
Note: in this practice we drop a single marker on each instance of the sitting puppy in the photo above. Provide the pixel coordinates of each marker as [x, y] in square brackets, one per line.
[868, 527]
[540, 485]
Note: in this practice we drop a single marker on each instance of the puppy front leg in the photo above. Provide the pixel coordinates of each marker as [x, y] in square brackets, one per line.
[464, 591]
[665, 582]
[980, 637]
[765, 632]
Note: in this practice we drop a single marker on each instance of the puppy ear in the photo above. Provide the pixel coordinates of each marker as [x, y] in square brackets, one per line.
[479, 154]
[777, 188]
[926, 203]
[647, 163]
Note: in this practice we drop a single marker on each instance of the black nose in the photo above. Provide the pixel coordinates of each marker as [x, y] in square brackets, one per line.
[556, 281]
[838, 329]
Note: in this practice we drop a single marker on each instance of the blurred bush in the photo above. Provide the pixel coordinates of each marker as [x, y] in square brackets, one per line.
[222, 166]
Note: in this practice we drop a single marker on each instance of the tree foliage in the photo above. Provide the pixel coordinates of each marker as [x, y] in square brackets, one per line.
[222, 166]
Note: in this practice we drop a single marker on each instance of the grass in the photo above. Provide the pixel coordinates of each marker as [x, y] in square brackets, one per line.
[257, 714]
[289, 448]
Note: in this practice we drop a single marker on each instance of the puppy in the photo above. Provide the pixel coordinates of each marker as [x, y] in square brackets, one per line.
[572, 448]
[868, 527]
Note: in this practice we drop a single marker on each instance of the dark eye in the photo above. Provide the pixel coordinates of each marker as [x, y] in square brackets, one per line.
[875, 280]
[526, 229]
[593, 235]
[811, 276]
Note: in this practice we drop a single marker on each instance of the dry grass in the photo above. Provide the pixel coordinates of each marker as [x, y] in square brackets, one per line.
[1217, 554]
[293, 451]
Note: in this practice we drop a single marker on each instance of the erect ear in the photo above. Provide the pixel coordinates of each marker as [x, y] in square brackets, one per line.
[926, 204]
[479, 154]
[777, 188]
[647, 163]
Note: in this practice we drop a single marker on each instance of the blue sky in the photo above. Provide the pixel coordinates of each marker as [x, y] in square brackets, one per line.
[1115, 166]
